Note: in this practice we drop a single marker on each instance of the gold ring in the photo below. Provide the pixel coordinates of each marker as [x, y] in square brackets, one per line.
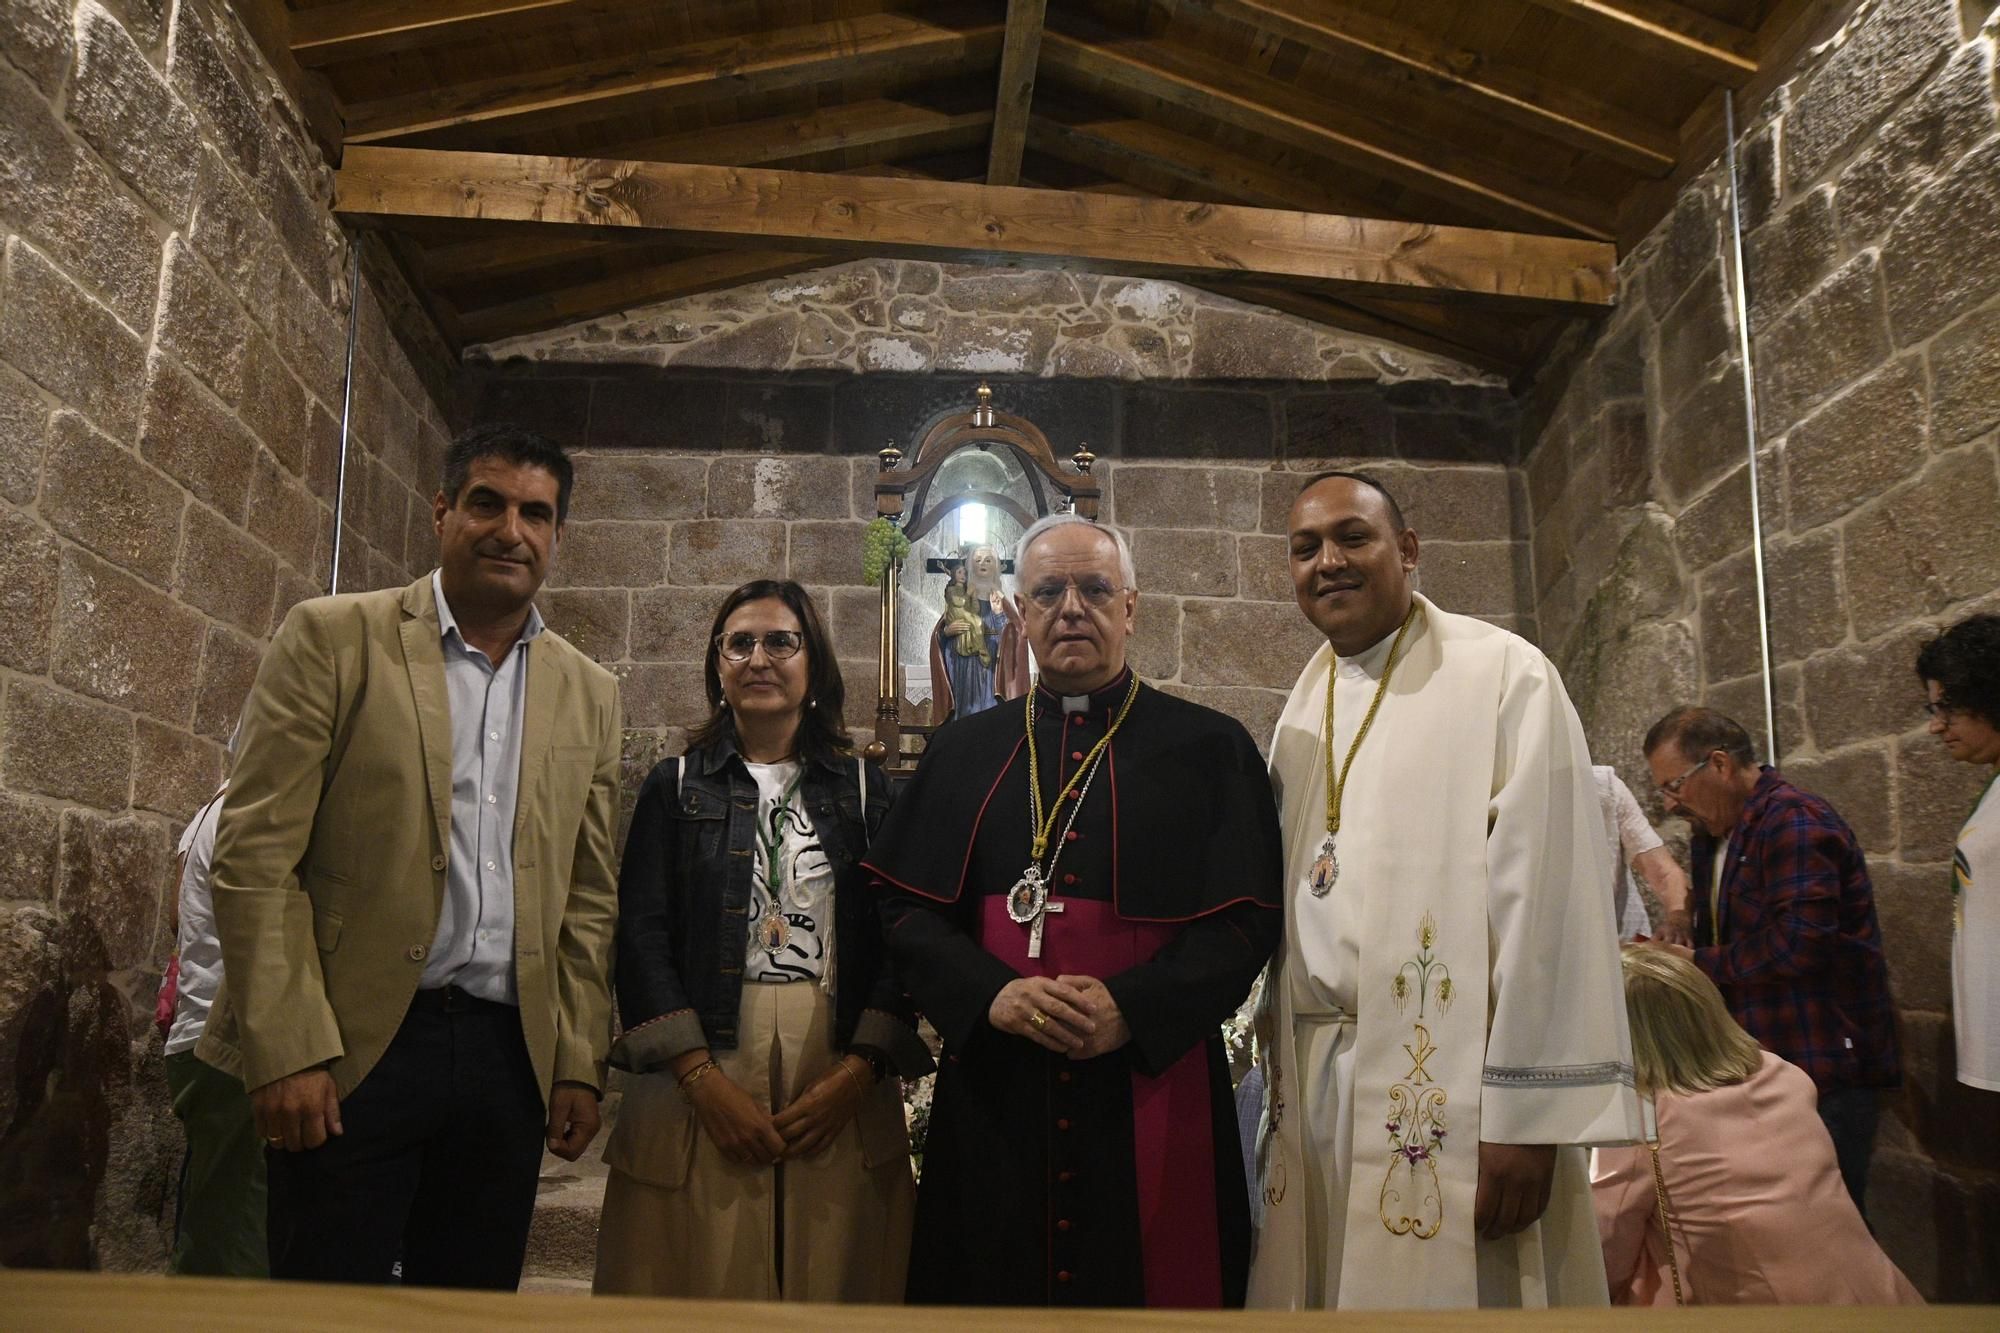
[1039, 1019]
[275, 1140]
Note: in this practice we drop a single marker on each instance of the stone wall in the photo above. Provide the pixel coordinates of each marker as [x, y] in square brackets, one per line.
[690, 482]
[881, 315]
[173, 316]
[1871, 185]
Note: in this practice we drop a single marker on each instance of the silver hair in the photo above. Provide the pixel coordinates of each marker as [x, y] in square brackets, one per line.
[1051, 521]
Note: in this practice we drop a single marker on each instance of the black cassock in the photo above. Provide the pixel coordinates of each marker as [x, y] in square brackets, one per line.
[1118, 1180]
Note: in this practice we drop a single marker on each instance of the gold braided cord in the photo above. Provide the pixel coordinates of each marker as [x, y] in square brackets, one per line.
[1666, 1223]
[1334, 787]
[1044, 827]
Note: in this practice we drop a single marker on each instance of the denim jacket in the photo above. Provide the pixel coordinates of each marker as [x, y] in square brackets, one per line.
[684, 910]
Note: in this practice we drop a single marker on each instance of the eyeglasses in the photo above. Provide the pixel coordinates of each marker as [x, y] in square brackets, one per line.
[1095, 593]
[778, 644]
[1673, 787]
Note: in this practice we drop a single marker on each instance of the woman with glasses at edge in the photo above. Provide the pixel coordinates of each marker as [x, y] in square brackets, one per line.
[760, 1150]
[1960, 670]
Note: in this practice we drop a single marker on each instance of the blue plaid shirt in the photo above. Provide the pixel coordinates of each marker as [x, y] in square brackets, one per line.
[1798, 955]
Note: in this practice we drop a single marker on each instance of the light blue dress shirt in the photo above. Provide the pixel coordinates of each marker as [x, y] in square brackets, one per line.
[474, 946]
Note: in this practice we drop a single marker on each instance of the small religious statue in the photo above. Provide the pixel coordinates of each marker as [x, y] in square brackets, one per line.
[979, 655]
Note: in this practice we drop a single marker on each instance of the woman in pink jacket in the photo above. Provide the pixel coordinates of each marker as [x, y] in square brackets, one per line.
[1752, 1192]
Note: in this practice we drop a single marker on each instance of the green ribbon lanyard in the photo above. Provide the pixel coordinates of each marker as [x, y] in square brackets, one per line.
[773, 875]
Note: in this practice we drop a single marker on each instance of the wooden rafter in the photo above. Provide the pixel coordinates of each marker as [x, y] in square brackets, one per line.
[1211, 87]
[356, 28]
[1713, 50]
[1144, 154]
[1480, 83]
[884, 216]
[1019, 51]
[885, 45]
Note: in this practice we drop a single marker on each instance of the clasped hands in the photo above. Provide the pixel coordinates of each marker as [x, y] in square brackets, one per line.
[1070, 1015]
[745, 1133]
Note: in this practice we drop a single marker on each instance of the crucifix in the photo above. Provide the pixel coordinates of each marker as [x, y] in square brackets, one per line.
[1035, 930]
[1028, 905]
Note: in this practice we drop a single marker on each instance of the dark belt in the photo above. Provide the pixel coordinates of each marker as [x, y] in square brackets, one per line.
[452, 1000]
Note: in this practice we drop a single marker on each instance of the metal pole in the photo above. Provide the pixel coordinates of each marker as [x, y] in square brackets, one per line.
[1750, 431]
[346, 416]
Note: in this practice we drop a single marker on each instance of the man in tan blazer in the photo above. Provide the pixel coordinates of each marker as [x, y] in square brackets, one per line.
[415, 889]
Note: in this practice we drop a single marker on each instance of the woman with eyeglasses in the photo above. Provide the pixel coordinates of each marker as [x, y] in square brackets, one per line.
[1960, 670]
[760, 1150]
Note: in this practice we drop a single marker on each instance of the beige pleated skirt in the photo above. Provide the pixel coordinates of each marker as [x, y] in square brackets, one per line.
[681, 1220]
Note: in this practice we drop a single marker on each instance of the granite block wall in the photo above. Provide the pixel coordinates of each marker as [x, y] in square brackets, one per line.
[173, 322]
[1870, 186]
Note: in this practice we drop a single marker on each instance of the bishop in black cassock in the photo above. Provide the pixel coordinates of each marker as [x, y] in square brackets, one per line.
[1110, 1174]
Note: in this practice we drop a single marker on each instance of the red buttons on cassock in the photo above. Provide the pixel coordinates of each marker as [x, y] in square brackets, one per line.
[1062, 1124]
[1071, 836]
[1076, 755]
[1069, 878]
[1062, 1224]
[1063, 1276]
[1065, 1176]
[1063, 1077]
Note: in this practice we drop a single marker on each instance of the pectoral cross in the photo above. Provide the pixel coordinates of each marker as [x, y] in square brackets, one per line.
[1035, 930]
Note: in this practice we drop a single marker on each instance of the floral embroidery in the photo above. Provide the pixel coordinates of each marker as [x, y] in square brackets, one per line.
[1412, 1200]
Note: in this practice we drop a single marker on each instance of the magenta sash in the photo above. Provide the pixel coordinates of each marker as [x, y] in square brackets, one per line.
[1173, 1135]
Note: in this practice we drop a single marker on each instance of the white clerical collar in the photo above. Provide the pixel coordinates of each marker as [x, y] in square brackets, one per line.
[1076, 703]
[1369, 661]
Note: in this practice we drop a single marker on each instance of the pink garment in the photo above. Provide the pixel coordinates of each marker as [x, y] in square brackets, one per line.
[1760, 1214]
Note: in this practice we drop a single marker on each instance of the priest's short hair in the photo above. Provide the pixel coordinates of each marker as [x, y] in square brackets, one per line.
[1051, 521]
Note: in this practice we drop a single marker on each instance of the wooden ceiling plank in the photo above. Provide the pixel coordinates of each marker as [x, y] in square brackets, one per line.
[1020, 49]
[883, 123]
[749, 64]
[1480, 83]
[1114, 146]
[333, 33]
[1275, 110]
[878, 215]
[1718, 52]
[629, 290]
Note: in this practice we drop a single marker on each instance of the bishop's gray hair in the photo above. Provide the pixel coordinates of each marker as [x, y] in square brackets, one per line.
[1053, 521]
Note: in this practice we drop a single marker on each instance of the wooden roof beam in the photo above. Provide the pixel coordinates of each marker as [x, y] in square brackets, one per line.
[1710, 49]
[882, 216]
[1220, 91]
[356, 28]
[1369, 323]
[874, 45]
[1470, 79]
[270, 25]
[1019, 50]
[485, 258]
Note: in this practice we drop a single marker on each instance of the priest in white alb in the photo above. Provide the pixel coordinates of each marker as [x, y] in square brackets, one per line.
[1443, 1033]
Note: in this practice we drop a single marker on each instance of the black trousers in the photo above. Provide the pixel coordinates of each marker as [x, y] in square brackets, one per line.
[436, 1165]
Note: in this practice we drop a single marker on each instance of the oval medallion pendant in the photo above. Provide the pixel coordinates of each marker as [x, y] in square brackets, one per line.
[774, 932]
[1325, 870]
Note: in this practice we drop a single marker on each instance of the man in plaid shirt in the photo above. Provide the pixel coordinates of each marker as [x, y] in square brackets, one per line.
[1784, 921]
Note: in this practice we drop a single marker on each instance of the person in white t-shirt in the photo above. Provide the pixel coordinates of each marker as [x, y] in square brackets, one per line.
[1960, 670]
[1638, 855]
[219, 1218]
